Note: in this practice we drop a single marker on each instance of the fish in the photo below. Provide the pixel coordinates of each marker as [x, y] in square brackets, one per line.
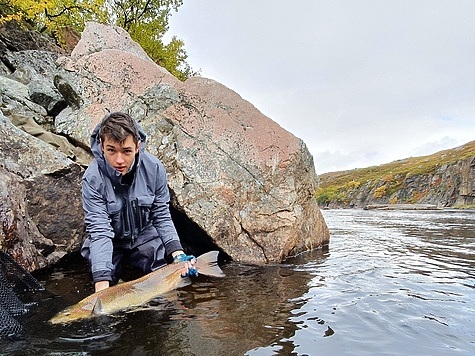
[137, 292]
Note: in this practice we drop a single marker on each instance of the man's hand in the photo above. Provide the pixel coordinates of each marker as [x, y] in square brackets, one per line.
[188, 269]
[101, 285]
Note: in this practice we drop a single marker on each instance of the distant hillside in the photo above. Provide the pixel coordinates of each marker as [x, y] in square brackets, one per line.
[444, 179]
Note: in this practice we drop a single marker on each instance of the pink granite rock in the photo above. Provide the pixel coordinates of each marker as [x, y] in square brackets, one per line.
[241, 179]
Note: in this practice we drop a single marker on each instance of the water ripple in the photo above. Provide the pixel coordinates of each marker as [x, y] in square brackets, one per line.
[393, 283]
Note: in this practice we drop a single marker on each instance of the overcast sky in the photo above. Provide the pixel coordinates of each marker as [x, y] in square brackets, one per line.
[360, 82]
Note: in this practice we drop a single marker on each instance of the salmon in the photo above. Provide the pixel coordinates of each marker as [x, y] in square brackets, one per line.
[135, 293]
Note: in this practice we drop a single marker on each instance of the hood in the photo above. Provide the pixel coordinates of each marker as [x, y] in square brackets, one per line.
[99, 154]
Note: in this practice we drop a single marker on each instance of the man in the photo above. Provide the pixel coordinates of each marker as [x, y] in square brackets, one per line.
[126, 205]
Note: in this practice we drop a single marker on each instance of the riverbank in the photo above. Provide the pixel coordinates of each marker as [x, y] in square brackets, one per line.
[402, 207]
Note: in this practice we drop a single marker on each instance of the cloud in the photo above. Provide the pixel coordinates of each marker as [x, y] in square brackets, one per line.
[435, 146]
[361, 82]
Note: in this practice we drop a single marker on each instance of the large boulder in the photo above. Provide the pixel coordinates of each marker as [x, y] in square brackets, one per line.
[39, 198]
[245, 182]
[40, 171]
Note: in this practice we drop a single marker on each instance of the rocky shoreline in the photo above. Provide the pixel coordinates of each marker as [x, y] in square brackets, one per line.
[402, 207]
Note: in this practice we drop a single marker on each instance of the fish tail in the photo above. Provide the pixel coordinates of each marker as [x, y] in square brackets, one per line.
[207, 264]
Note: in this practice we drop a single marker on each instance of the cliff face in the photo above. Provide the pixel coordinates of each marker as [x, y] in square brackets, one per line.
[445, 179]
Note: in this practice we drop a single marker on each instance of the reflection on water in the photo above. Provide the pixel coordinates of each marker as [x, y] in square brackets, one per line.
[391, 282]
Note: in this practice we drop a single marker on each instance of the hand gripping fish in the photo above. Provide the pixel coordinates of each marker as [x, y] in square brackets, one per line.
[139, 291]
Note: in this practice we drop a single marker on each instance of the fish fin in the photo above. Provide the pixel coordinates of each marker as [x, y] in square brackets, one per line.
[97, 310]
[183, 282]
[207, 264]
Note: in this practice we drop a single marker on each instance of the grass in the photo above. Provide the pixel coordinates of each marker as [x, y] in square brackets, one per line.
[386, 178]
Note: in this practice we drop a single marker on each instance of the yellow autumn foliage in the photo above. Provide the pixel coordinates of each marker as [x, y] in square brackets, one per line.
[145, 20]
[380, 191]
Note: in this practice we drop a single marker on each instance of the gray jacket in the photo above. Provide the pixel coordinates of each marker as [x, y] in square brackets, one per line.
[118, 214]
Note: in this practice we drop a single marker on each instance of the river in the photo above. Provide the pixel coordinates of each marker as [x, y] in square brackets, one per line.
[390, 283]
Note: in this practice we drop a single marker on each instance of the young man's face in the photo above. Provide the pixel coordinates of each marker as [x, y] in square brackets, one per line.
[120, 155]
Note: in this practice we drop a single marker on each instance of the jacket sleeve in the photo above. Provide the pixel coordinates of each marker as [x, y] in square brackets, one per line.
[161, 217]
[97, 247]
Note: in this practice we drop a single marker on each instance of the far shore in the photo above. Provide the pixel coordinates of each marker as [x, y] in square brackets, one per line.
[402, 207]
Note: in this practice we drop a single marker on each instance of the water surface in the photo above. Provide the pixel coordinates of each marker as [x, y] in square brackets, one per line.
[390, 283]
